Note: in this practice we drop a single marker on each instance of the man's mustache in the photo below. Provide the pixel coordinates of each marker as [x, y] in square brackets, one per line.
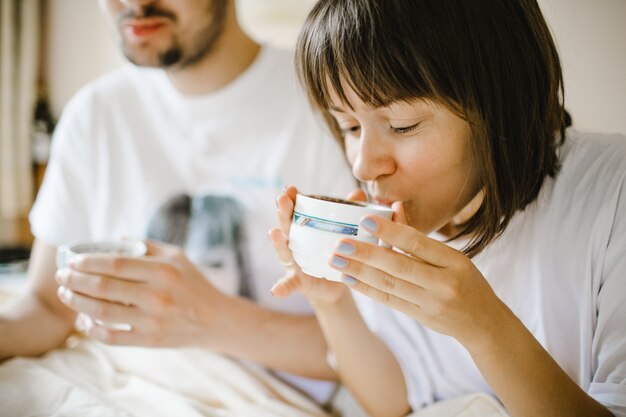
[148, 11]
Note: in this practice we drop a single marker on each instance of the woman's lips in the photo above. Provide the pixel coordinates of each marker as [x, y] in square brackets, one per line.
[383, 202]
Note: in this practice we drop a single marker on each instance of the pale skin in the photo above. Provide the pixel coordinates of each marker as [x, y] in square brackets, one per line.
[416, 156]
[163, 296]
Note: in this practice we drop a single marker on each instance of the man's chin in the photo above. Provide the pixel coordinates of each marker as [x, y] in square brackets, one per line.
[150, 59]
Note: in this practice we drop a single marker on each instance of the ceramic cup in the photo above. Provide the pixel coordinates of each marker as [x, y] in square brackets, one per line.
[127, 248]
[319, 222]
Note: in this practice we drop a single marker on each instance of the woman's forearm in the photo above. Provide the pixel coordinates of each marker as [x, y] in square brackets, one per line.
[526, 378]
[365, 364]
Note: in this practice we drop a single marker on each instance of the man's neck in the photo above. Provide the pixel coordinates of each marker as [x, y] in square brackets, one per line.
[232, 54]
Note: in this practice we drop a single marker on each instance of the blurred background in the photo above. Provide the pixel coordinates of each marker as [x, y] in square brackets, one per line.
[50, 48]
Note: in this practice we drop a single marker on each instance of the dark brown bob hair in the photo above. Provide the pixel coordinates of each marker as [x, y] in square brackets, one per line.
[492, 62]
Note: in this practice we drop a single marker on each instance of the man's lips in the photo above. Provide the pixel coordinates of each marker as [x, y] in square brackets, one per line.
[143, 28]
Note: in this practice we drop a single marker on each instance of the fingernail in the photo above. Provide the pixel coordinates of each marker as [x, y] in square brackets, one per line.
[62, 293]
[59, 277]
[76, 260]
[276, 201]
[346, 248]
[369, 224]
[339, 262]
[347, 279]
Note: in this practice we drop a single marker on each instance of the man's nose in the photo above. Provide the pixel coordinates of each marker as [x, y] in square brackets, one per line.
[374, 158]
[135, 4]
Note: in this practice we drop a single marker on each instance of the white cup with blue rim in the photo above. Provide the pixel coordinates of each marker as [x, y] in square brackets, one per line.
[319, 222]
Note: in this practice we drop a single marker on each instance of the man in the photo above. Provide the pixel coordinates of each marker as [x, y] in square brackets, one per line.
[193, 151]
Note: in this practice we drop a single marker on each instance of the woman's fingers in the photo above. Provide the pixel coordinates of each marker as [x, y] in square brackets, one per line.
[291, 192]
[357, 195]
[285, 205]
[399, 214]
[409, 240]
[286, 286]
[383, 269]
[281, 247]
[397, 303]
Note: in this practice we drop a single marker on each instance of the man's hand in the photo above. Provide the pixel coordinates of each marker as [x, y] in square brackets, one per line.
[163, 296]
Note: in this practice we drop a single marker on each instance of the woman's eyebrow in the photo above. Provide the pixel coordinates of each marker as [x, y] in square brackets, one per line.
[336, 109]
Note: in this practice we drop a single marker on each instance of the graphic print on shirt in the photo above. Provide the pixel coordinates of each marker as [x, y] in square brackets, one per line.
[211, 230]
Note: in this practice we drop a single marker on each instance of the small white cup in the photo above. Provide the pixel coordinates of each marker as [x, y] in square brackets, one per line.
[319, 222]
[128, 248]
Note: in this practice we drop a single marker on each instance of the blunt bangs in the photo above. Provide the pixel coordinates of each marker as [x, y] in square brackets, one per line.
[347, 45]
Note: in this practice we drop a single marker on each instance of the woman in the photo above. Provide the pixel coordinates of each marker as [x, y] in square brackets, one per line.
[509, 269]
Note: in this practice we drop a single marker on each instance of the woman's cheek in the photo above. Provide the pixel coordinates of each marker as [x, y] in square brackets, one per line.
[352, 149]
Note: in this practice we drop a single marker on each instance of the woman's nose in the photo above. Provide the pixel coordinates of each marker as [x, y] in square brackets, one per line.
[373, 159]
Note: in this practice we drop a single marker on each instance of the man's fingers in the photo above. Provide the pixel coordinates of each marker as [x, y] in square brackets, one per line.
[162, 250]
[101, 287]
[98, 309]
[144, 269]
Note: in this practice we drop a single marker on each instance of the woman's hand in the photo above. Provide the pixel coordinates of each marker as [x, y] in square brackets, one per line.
[435, 284]
[315, 289]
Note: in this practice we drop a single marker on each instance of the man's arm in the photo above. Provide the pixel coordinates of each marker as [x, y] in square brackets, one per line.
[278, 340]
[36, 321]
[168, 302]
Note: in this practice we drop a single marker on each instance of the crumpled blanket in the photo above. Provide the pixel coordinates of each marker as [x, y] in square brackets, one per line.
[473, 405]
[89, 379]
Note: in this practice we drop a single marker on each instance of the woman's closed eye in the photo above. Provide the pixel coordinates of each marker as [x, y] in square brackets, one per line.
[350, 130]
[405, 129]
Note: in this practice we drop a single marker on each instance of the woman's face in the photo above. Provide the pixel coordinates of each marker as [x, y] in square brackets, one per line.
[417, 153]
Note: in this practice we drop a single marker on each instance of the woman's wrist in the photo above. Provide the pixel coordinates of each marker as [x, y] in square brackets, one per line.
[492, 332]
[343, 301]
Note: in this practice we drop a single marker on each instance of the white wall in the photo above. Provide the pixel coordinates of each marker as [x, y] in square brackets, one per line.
[591, 35]
[80, 48]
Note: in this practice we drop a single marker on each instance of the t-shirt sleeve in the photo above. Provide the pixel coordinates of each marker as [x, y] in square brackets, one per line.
[59, 214]
[608, 385]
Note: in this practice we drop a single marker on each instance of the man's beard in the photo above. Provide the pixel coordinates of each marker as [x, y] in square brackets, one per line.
[176, 55]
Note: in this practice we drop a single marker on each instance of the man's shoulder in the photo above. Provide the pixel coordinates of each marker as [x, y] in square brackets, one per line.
[275, 69]
[116, 86]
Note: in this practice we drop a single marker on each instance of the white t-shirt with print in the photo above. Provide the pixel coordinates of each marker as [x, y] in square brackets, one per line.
[561, 268]
[129, 141]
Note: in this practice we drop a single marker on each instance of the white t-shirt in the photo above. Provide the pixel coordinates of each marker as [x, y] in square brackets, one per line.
[561, 268]
[130, 141]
